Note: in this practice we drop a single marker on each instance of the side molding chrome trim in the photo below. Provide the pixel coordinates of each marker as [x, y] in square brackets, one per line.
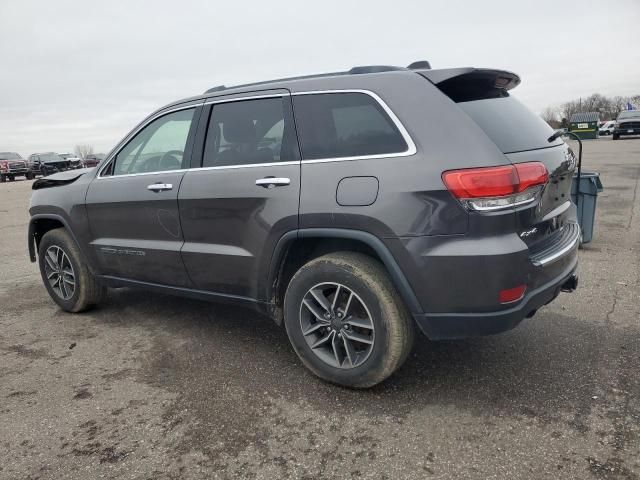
[411, 150]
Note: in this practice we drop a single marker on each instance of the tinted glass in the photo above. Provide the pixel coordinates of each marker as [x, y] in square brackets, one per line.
[335, 125]
[157, 147]
[249, 132]
[509, 124]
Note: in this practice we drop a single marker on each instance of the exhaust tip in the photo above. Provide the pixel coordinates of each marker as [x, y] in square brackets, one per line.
[571, 284]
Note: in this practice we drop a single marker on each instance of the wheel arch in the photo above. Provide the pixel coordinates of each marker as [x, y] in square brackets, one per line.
[39, 225]
[300, 246]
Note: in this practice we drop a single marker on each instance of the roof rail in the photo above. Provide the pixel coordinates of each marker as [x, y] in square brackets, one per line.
[420, 64]
[216, 89]
[374, 69]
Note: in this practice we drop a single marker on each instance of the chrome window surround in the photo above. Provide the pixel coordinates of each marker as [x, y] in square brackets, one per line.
[411, 147]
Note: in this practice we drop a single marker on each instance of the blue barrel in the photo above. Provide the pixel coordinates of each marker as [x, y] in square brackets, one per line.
[590, 186]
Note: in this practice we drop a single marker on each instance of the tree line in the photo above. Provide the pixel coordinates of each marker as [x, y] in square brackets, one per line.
[609, 107]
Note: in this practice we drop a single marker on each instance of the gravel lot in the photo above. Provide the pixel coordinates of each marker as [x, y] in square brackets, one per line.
[155, 387]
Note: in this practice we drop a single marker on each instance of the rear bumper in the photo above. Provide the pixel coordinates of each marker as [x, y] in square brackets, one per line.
[441, 326]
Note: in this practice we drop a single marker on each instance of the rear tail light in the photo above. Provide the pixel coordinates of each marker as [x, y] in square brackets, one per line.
[494, 188]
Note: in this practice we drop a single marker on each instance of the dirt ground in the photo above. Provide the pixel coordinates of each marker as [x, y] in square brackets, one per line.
[154, 387]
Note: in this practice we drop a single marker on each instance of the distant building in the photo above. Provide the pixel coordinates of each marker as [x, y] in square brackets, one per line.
[585, 124]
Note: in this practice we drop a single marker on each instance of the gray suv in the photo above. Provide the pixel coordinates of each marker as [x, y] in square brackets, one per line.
[354, 208]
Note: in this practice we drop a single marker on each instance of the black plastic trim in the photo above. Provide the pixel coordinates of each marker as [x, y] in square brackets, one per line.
[448, 326]
[397, 276]
[31, 232]
[112, 281]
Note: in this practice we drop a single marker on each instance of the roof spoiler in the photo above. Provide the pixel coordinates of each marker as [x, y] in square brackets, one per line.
[501, 78]
[468, 84]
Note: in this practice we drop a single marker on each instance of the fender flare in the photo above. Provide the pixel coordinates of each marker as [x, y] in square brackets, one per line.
[395, 272]
[31, 238]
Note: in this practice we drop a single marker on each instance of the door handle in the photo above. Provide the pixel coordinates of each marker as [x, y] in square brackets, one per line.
[270, 182]
[159, 187]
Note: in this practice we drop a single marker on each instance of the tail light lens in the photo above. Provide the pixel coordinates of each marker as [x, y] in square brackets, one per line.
[494, 188]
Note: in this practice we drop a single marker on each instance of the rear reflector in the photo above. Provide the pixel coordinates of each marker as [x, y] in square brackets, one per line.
[496, 187]
[512, 294]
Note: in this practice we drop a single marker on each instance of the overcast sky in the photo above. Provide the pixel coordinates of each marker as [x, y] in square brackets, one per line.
[85, 71]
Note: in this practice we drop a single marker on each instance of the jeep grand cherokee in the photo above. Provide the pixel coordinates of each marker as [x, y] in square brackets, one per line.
[354, 208]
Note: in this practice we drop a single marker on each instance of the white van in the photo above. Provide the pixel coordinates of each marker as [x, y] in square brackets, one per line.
[607, 128]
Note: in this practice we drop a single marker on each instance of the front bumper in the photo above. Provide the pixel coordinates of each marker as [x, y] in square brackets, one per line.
[626, 131]
[441, 326]
[15, 171]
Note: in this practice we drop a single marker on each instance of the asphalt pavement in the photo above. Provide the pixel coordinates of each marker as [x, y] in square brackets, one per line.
[154, 387]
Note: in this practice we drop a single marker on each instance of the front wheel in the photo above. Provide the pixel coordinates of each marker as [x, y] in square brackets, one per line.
[11, 178]
[616, 137]
[3, 178]
[65, 274]
[346, 321]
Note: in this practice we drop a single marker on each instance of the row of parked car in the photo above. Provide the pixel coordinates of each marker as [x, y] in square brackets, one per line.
[12, 165]
[627, 123]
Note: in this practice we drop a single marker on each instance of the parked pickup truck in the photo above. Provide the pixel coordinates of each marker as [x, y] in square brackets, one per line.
[47, 163]
[12, 165]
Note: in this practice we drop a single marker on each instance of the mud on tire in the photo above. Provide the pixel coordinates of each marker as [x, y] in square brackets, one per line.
[59, 258]
[391, 326]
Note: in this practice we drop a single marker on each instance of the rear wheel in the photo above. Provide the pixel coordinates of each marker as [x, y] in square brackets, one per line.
[345, 320]
[65, 274]
[11, 178]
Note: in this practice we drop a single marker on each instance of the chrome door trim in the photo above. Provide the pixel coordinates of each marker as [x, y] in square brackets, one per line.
[270, 182]
[160, 187]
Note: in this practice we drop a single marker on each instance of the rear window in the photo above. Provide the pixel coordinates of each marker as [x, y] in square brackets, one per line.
[509, 124]
[339, 125]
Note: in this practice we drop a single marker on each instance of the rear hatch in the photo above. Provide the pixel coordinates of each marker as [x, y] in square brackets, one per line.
[522, 136]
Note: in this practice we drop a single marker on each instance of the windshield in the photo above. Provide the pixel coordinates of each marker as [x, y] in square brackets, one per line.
[50, 157]
[9, 156]
[629, 114]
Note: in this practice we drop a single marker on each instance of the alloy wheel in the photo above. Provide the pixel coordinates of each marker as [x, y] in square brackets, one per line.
[337, 325]
[59, 272]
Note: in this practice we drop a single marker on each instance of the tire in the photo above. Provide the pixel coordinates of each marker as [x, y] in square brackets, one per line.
[30, 176]
[616, 137]
[390, 328]
[86, 291]
[11, 178]
[3, 178]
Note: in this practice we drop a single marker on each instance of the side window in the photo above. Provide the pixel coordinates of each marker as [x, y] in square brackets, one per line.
[335, 125]
[157, 147]
[250, 132]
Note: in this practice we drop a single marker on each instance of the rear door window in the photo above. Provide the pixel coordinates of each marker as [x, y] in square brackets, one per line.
[339, 125]
[249, 132]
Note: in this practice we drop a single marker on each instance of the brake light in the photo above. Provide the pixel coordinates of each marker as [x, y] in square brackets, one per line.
[493, 188]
